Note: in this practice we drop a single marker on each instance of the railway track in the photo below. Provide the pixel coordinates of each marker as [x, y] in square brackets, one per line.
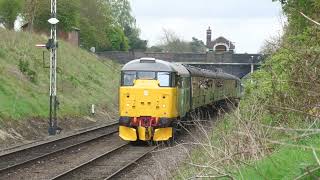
[96, 153]
[108, 165]
[19, 157]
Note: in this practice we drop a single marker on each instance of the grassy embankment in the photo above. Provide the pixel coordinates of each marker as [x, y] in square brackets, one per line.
[249, 144]
[24, 82]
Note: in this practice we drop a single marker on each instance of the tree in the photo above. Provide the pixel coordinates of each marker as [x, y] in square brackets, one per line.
[135, 42]
[9, 11]
[155, 49]
[118, 39]
[171, 42]
[95, 22]
[68, 14]
[121, 13]
[29, 12]
[197, 46]
[122, 17]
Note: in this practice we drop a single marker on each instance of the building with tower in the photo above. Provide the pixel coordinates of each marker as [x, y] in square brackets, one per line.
[220, 44]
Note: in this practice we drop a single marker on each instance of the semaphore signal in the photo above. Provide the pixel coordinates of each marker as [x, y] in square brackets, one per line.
[52, 46]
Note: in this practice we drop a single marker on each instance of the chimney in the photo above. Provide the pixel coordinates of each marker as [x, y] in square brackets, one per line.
[208, 37]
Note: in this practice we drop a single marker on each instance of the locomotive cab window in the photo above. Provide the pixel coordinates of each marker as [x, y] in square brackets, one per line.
[166, 79]
[146, 75]
[128, 78]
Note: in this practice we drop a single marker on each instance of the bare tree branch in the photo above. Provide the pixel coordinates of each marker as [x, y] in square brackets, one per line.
[317, 23]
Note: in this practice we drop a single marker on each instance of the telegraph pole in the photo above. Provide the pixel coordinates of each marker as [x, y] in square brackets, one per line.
[52, 45]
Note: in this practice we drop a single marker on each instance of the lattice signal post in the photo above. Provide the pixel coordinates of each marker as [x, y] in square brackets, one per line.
[52, 46]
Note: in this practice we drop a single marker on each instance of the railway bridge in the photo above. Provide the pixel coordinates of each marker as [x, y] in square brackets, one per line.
[220, 54]
[232, 63]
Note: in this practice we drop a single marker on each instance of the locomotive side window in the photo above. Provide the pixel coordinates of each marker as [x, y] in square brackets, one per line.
[128, 78]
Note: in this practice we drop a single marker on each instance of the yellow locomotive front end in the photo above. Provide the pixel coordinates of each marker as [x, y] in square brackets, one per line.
[147, 101]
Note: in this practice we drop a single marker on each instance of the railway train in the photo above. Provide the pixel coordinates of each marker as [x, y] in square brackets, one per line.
[154, 95]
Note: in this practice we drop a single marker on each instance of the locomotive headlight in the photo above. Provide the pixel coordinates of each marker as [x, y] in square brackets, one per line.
[164, 106]
[128, 105]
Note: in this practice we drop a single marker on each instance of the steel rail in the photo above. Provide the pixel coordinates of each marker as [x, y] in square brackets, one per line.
[130, 163]
[55, 145]
[62, 175]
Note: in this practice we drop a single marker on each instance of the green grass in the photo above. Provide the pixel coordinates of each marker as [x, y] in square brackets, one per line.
[286, 163]
[24, 82]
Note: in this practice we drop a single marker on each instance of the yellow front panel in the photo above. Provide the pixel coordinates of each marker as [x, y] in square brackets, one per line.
[146, 98]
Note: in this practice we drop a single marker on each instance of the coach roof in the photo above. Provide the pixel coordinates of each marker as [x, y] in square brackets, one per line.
[152, 64]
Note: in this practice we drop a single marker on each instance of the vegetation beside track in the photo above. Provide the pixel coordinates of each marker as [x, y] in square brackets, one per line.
[83, 79]
[274, 134]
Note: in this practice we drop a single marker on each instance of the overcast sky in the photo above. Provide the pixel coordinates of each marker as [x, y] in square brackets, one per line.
[247, 23]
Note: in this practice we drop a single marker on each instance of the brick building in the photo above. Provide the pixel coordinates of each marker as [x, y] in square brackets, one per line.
[73, 37]
[221, 44]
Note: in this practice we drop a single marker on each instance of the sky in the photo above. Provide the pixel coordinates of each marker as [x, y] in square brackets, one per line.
[247, 23]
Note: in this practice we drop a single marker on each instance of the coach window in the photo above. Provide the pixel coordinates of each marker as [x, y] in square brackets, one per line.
[128, 78]
[164, 79]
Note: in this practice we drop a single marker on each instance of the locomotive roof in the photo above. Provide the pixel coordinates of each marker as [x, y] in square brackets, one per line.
[152, 64]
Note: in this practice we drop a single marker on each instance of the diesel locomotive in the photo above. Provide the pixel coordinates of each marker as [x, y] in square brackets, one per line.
[154, 95]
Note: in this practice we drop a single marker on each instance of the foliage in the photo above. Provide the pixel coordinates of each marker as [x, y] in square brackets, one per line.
[286, 163]
[122, 17]
[155, 49]
[275, 132]
[118, 39]
[102, 23]
[29, 12]
[67, 11]
[121, 13]
[289, 77]
[197, 45]
[135, 42]
[95, 21]
[9, 10]
[24, 67]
